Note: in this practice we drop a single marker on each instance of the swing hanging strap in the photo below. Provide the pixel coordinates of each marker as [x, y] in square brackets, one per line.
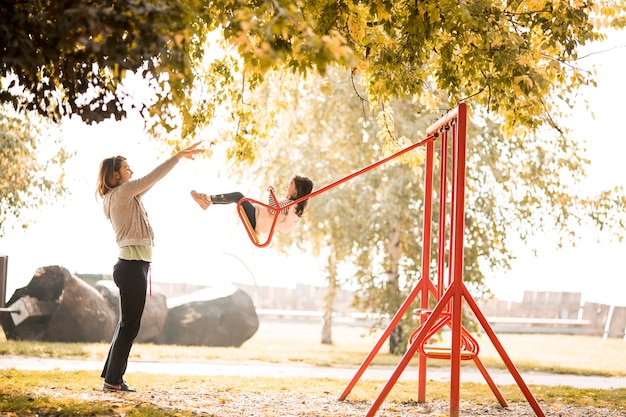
[252, 233]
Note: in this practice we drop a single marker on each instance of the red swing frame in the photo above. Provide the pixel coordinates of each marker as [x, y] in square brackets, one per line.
[450, 291]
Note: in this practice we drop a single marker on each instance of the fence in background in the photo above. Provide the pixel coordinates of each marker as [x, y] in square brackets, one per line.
[538, 312]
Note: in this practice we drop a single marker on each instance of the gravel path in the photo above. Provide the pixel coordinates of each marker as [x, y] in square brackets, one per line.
[224, 403]
[227, 404]
[468, 374]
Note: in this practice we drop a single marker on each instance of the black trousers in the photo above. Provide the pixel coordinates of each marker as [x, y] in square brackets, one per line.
[231, 198]
[131, 277]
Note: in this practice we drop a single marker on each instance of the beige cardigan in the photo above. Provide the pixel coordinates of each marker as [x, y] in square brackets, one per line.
[123, 206]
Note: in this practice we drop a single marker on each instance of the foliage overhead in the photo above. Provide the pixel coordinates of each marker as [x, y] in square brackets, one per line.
[516, 59]
[71, 57]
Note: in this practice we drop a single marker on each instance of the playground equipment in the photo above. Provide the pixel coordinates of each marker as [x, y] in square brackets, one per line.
[445, 268]
[450, 291]
[246, 222]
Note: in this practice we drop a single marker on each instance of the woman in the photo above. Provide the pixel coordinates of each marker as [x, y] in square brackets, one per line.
[134, 236]
[260, 217]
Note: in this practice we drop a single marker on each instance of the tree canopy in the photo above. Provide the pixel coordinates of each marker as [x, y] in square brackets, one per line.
[65, 58]
[516, 59]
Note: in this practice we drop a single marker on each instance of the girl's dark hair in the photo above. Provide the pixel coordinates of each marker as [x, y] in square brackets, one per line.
[106, 174]
[304, 186]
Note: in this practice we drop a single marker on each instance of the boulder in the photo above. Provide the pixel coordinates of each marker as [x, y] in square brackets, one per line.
[214, 316]
[56, 306]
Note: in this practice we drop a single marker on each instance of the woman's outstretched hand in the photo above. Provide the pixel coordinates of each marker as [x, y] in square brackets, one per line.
[189, 152]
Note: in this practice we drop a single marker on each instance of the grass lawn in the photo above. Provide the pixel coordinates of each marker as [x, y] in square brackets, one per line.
[45, 393]
[299, 342]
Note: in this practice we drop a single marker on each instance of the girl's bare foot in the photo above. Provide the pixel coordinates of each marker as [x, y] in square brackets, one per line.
[203, 201]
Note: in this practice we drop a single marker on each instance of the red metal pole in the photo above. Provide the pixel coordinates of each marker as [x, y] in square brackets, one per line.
[456, 255]
[394, 322]
[422, 286]
[490, 382]
[426, 242]
[428, 138]
[406, 358]
[443, 185]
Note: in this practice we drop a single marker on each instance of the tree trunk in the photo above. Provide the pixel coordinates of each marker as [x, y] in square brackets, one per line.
[327, 335]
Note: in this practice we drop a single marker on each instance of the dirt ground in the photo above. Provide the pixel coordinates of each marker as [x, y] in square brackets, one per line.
[220, 401]
[226, 404]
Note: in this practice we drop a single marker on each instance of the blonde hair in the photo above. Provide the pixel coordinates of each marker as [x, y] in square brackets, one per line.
[106, 175]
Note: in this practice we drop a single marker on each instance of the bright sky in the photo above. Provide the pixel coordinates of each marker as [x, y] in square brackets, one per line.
[596, 270]
[191, 245]
[211, 247]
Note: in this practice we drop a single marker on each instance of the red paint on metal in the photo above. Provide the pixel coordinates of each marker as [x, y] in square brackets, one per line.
[450, 291]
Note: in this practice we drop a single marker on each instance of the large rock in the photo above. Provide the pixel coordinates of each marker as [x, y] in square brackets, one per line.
[56, 306]
[154, 313]
[222, 316]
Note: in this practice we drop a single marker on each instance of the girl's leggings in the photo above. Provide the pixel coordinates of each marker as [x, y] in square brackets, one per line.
[231, 198]
[131, 277]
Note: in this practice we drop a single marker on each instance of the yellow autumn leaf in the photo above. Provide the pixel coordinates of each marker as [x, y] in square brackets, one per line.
[356, 26]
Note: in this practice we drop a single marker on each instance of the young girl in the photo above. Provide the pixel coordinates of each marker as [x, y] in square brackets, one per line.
[134, 236]
[260, 217]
